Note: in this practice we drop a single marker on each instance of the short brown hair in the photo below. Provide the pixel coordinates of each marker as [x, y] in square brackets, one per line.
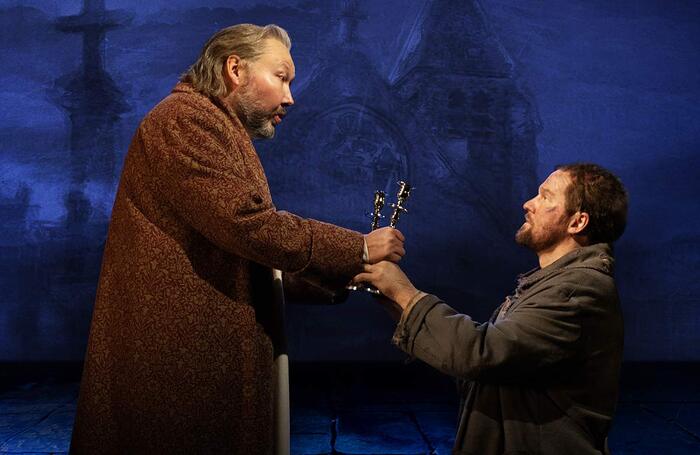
[599, 193]
[243, 40]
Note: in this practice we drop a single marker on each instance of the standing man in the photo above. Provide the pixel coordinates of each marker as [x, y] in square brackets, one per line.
[180, 357]
[541, 376]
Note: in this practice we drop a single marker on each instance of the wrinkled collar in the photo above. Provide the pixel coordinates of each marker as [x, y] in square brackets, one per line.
[597, 256]
[186, 87]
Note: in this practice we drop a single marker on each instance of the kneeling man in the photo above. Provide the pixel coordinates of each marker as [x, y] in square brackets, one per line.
[541, 376]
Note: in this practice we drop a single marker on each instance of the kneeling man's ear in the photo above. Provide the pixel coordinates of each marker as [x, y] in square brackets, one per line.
[577, 223]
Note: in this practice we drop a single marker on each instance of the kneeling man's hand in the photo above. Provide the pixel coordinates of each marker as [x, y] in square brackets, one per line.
[390, 280]
[385, 244]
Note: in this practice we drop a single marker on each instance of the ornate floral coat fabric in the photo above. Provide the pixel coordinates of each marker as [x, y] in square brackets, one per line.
[180, 354]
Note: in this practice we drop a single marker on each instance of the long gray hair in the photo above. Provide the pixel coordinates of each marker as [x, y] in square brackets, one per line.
[244, 40]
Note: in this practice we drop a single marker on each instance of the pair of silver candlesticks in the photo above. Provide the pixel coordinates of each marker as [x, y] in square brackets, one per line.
[376, 215]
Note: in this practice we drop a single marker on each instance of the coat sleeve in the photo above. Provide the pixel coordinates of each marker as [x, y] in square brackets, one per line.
[202, 169]
[539, 333]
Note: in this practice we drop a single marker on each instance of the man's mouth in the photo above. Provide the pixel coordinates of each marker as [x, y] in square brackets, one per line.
[277, 117]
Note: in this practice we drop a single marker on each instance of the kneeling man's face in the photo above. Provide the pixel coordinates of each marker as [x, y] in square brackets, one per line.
[546, 217]
[265, 92]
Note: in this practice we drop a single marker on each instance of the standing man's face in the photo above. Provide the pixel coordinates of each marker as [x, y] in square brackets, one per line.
[261, 99]
[546, 218]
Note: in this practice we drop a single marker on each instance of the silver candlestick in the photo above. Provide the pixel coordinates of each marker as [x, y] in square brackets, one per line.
[401, 196]
[379, 198]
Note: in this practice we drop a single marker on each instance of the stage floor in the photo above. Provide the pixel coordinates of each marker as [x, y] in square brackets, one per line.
[368, 409]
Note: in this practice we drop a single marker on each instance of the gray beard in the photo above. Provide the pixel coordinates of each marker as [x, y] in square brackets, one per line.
[255, 121]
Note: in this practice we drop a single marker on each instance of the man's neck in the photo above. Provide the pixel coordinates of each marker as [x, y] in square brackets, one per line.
[553, 253]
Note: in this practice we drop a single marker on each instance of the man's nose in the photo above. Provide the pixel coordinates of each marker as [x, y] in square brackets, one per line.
[527, 206]
[287, 100]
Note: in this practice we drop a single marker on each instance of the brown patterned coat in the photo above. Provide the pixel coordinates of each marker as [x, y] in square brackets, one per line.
[180, 355]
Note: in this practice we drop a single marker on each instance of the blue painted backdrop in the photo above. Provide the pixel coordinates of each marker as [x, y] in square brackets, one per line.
[471, 101]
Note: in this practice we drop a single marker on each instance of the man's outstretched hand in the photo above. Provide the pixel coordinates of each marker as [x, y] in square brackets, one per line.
[385, 244]
[390, 280]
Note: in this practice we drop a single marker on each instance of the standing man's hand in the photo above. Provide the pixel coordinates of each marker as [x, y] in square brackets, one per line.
[384, 244]
[390, 280]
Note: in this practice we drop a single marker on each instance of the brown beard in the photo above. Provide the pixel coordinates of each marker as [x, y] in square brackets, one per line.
[545, 239]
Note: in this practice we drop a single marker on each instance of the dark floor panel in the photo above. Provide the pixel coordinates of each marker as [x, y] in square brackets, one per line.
[688, 418]
[51, 434]
[377, 409]
[380, 432]
[637, 431]
[13, 424]
[310, 444]
[311, 430]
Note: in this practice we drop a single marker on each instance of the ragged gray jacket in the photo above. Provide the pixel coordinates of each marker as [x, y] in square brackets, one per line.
[541, 377]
